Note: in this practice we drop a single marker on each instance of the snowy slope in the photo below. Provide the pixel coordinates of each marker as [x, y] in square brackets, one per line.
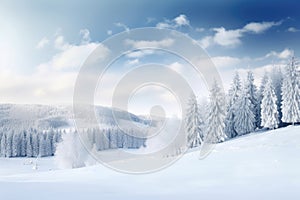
[54, 116]
[263, 165]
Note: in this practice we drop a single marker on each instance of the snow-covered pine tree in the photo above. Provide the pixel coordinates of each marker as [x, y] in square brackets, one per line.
[1, 134]
[29, 152]
[113, 137]
[91, 136]
[134, 142]
[55, 139]
[120, 138]
[260, 94]
[245, 119]
[23, 143]
[233, 95]
[106, 141]
[194, 123]
[130, 139]
[277, 81]
[3, 145]
[49, 139]
[216, 115]
[291, 93]
[15, 144]
[251, 92]
[269, 111]
[125, 140]
[42, 145]
[98, 140]
[35, 143]
[9, 144]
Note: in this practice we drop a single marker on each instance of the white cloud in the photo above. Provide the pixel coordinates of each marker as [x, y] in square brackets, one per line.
[284, 54]
[133, 62]
[232, 38]
[163, 25]
[140, 53]
[200, 29]
[178, 67]
[206, 42]
[121, 25]
[226, 62]
[58, 31]
[260, 27]
[59, 43]
[293, 29]
[45, 86]
[72, 56]
[182, 20]
[190, 74]
[52, 81]
[225, 37]
[39, 92]
[150, 43]
[85, 33]
[42, 43]
[109, 32]
[177, 22]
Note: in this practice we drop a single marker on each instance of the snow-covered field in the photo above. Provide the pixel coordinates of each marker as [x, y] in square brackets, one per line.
[262, 165]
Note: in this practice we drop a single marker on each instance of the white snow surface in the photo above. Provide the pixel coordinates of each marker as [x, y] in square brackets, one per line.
[261, 165]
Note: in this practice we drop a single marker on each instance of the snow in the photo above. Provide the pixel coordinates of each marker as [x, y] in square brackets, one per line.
[261, 165]
[45, 117]
[17, 166]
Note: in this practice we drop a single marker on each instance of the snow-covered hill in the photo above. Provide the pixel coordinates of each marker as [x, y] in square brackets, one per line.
[261, 165]
[54, 116]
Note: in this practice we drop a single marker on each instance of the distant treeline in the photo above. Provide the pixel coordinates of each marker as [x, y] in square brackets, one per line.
[34, 143]
[112, 138]
[28, 143]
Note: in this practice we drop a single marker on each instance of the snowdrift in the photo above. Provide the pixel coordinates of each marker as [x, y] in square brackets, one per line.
[261, 165]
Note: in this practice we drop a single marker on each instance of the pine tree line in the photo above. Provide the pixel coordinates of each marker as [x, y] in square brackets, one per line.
[276, 104]
[28, 143]
[34, 143]
[113, 137]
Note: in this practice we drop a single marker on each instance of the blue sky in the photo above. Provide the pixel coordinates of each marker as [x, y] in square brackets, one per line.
[35, 36]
